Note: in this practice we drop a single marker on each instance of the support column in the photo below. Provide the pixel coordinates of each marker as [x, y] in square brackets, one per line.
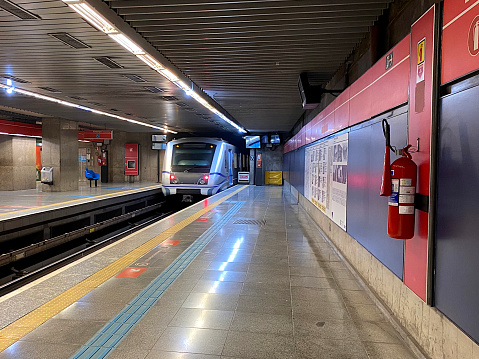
[60, 151]
[17, 163]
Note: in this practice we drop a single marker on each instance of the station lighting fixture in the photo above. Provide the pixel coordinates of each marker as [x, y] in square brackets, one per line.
[102, 24]
[10, 88]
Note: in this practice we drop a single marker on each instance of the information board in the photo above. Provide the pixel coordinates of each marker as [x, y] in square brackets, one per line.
[326, 177]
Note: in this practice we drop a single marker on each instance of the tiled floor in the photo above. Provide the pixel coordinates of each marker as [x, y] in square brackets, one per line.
[272, 291]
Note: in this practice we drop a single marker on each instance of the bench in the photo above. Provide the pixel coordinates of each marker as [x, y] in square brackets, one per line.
[92, 176]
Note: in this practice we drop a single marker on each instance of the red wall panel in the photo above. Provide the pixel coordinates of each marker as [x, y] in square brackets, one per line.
[460, 39]
[420, 117]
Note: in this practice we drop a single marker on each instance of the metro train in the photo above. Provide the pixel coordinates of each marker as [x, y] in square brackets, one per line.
[200, 166]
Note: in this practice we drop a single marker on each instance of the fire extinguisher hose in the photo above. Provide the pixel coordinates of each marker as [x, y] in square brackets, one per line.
[386, 178]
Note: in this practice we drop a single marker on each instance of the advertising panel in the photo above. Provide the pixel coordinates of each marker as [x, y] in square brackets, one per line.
[326, 177]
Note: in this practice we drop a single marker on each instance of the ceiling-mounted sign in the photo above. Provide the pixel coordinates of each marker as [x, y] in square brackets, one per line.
[95, 136]
[158, 138]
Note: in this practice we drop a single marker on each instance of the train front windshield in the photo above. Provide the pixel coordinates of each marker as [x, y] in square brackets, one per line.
[192, 157]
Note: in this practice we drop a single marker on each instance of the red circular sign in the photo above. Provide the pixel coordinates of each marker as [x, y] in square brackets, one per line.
[473, 38]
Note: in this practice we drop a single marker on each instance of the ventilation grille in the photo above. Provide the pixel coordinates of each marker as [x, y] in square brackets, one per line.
[169, 98]
[16, 79]
[154, 89]
[69, 40]
[18, 11]
[181, 104]
[107, 61]
[135, 78]
[250, 221]
[50, 89]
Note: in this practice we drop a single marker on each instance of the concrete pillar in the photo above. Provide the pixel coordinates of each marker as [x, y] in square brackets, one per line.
[60, 151]
[17, 163]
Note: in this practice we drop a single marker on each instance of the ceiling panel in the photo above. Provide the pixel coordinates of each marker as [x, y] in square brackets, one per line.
[246, 55]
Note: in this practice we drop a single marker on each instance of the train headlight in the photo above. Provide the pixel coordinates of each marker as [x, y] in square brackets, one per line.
[204, 180]
[173, 179]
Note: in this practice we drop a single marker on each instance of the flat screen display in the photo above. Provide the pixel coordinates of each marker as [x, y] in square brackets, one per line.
[275, 139]
[252, 142]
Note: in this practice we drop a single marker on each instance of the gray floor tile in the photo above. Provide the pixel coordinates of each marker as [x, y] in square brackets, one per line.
[330, 349]
[202, 318]
[224, 276]
[129, 353]
[90, 311]
[252, 345]
[65, 331]
[311, 272]
[369, 313]
[212, 286]
[263, 304]
[348, 284]
[312, 326]
[323, 311]
[356, 297]
[172, 299]
[273, 290]
[316, 294]
[388, 351]
[178, 355]
[192, 340]
[268, 278]
[38, 350]
[313, 282]
[263, 323]
[235, 267]
[211, 301]
[378, 332]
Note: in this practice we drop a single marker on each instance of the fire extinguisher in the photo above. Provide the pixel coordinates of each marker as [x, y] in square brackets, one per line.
[98, 159]
[400, 178]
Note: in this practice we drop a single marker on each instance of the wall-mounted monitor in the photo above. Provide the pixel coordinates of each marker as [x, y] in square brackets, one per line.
[275, 139]
[265, 139]
[252, 141]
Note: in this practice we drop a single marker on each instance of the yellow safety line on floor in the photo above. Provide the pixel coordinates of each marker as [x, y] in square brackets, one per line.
[80, 199]
[16, 330]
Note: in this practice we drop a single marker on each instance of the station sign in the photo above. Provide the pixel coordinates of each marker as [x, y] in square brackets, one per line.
[95, 136]
[243, 177]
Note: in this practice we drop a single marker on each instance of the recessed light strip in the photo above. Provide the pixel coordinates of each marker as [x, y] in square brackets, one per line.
[98, 21]
[71, 104]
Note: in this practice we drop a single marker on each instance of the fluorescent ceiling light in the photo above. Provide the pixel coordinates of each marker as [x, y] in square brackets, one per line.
[169, 75]
[80, 107]
[150, 61]
[90, 15]
[127, 44]
[98, 21]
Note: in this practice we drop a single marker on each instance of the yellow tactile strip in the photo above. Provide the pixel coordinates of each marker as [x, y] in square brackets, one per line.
[16, 330]
[140, 189]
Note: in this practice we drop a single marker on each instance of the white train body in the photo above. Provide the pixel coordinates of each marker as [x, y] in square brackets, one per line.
[199, 166]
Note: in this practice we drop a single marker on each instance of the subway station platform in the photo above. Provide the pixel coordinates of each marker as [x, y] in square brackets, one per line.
[243, 274]
[25, 202]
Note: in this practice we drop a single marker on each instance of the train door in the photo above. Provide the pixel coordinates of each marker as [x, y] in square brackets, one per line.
[230, 167]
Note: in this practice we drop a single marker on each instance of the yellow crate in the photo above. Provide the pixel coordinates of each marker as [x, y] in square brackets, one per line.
[273, 177]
